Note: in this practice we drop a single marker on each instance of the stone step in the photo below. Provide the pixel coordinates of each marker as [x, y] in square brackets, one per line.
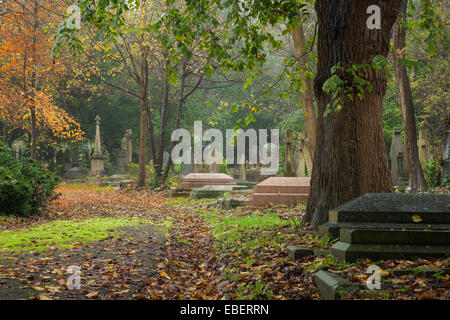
[390, 217]
[351, 252]
[265, 199]
[334, 227]
[399, 237]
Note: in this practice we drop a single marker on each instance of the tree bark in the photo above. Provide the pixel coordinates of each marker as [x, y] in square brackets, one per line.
[306, 92]
[143, 125]
[34, 132]
[412, 159]
[351, 157]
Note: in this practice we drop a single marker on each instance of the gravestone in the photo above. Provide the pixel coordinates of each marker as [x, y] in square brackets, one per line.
[303, 156]
[243, 171]
[423, 144]
[185, 169]
[97, 158]
[288, 155]
[67, 160]
[76, 173]
[399, 173]
[277, 190]
[388, 226]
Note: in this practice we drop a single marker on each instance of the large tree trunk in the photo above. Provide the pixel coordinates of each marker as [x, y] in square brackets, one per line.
[306, 92]
[406, 105]
[143, 125]
[350, 155]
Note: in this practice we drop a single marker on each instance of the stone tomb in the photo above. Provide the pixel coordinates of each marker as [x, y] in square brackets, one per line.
[198, 180]
[391, 226]
[281, 190]
[215, 191]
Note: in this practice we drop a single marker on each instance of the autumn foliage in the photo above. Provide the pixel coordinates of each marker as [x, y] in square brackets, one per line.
[29, 75]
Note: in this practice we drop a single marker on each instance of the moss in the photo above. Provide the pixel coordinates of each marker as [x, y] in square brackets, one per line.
[65, 234]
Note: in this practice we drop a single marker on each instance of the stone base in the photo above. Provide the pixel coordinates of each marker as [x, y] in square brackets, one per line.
[198, 180]
[281, 191]
[331, 286]
[352, 252]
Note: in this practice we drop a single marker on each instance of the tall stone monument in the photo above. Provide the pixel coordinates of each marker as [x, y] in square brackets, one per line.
[97, 158]
[303, 156]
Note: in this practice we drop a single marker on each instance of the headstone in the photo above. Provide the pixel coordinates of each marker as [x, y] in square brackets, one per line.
[389, 226]
[288, 155]
[127, 145]
[303, 156]
[398, 172]
[423, 145]
[67, 160]
[97, 159]
[243, 171]
[277, 190]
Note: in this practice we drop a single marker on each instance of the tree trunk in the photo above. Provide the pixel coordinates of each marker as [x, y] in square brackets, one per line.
[406, 105]
[34, 132]
[306, 92]
[144, 109]
[142, 144]
[351, 157]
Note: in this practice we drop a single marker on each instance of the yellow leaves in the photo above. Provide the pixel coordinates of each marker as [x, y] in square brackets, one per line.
[416, 218]
[165, 275]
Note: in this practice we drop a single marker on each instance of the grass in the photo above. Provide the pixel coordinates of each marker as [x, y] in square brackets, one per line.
[65, 234]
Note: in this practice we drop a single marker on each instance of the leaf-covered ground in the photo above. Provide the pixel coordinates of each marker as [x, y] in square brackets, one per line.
[141, 245]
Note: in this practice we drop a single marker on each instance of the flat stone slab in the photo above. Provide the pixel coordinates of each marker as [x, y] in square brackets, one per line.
[352, 252]
[281, 190]
[198, 180]
[399, 237]
[424, 208]
[332, 286]
[210, 191]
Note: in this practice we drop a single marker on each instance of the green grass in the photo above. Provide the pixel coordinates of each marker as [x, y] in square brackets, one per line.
[242, 234]
[64, 234]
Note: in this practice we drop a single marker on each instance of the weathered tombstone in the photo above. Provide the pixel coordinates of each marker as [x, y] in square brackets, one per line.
[198, 168]
[128, 145]
[288, 155]
[388, 226]
[303, 156]
[76, 173]
[67, 160]
[97, 159]
[398, 172]
[185, 169]
[423, 145]
[277, 190]
[243, 171]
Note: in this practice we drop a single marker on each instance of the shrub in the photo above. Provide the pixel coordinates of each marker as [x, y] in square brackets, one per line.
[24, 186]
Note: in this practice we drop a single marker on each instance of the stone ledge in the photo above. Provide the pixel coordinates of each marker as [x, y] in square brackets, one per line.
[295, 253]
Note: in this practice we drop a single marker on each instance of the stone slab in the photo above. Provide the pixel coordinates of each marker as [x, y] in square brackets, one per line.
[198, 180]
[210, 191]
[352, 252]
[331, 286]
[399, 237]
[281, 190]
[284, 185]
[295, 253]
[334, 228]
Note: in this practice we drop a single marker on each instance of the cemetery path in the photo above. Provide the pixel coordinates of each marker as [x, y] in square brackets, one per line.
[140, 245]
[148, 250]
